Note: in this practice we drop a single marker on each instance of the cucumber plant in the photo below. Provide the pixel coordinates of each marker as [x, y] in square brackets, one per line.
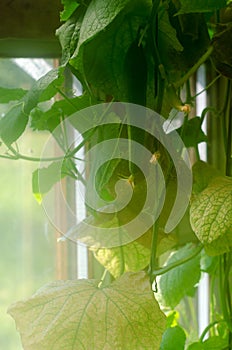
[145, 53]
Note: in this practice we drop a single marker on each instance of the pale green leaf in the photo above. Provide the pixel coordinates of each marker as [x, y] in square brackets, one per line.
[177, 283]
[44, 178]
[7, 95]
[76, 315]
[173, 339]
[13, 124]
[191, 6]
[211, 210]
[15, 121]
[131, 257]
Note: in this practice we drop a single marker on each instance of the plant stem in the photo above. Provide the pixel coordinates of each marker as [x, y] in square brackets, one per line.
[205, 331]
[169, 267]
[192, 70]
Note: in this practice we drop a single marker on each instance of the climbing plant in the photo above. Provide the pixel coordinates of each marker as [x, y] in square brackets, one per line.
[140, 53]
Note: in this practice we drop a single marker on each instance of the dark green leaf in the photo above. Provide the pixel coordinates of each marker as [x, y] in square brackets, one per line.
[99, 14]
[173, 339]
[203, 173]
[222, 53]
[13, 124]
[192, 133]
[7, 95]
[167, 34]
[190, 6]
[99, 53]
[69, 7]
[68, 35]
[176, 283]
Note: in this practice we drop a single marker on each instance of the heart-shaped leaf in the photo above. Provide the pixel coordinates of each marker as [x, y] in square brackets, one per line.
[129, 257]
[211, 210]
[74, 315]
[179, 281]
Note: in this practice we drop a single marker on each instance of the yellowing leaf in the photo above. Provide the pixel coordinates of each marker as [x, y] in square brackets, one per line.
[211, 210]
[130, 257]
[78, 315]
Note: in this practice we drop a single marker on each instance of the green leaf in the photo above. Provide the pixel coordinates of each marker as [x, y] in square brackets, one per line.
[167, 34]
[196, 346]
[215, 343]
[43, 179]
[191, 6]
[80, 315]
[203, 173]
[68, 35]
[49, 120]
[69, 7]
[44, 89]
[173, 339]
[98, 49]
[99, 14]
[176, 283]
[131, 257]
[192, 133]
[221, 245]
[211, 210]
[13, 124]
[212, 343]
[7, 95]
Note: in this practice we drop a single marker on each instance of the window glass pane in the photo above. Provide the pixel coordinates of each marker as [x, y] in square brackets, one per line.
[28, 242]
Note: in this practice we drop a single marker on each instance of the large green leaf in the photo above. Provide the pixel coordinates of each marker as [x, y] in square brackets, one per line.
[177, 283]
[13, 124]
[190, 6]
[99, 14]
[131, 257]
[211, 210]
[75, 315]
[96, 60]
